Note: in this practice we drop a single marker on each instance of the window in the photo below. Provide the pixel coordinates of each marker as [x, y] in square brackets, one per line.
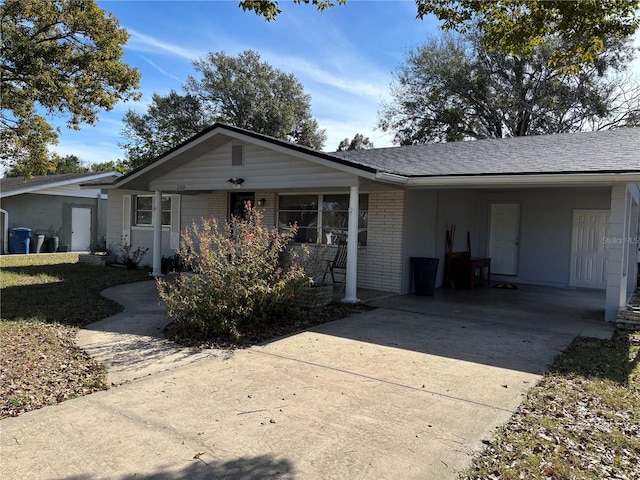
[322, 218]
[144, 210]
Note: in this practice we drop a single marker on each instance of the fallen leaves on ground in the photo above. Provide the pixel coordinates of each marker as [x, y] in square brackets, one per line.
[41, 365]
[581, 421]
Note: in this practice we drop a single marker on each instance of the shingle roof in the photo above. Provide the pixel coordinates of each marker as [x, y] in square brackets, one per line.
[16, 185]
[609, 151]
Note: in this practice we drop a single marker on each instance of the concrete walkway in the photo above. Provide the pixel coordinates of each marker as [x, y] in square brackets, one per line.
[407, 391]
[131, 344]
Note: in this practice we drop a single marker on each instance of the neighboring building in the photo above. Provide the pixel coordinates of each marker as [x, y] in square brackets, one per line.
[558, 210]
[56, 206]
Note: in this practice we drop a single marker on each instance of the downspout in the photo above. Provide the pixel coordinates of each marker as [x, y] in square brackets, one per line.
[5, 231]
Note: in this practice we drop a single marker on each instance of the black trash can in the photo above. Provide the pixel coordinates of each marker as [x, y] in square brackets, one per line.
[425, 271]
[52, 244]
[19, 239]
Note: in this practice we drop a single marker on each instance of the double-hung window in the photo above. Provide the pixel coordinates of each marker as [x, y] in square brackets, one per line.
[144, 210]
[322, 218]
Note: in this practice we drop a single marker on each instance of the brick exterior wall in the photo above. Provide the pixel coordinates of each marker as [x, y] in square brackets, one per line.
[217, 205]
[380, 263]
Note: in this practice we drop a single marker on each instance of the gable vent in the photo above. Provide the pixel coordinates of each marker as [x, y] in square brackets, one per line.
[237, 155]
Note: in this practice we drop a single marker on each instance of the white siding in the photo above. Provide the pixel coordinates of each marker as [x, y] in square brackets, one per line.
[193, 209]
[263, 169]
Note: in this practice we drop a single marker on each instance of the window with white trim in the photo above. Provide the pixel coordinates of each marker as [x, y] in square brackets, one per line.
[144, 210]
[322, 218]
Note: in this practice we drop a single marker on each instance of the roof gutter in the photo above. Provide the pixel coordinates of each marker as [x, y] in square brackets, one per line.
[581, 179]
[392, 178]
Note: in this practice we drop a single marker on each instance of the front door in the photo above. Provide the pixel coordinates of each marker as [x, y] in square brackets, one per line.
[504, 240]
[588, 248]
[238, 202]
[80, 229]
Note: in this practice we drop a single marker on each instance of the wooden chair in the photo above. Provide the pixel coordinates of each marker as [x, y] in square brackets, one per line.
[338, 264]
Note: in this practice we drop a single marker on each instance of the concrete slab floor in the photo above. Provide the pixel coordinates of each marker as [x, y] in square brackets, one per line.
[408, 390]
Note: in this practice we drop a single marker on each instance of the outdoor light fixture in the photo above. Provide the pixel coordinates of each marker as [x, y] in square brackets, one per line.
[236, 181]
[261, 202]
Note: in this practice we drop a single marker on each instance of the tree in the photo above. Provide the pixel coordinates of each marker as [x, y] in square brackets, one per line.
[70, 164]
[517, 27]
[359, 142]
[269, 8]
[59, 165]
[169, 120]
[57, 57]
[452, 89]
[241, 91]
[247, 93]
[110, 166]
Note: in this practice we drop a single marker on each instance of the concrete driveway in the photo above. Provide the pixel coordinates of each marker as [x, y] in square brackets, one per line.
[407, 391]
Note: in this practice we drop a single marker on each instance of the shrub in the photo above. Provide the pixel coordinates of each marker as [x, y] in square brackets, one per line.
[241, 275]
[131, 257]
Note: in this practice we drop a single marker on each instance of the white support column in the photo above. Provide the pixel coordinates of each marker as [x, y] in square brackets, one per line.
[157, 234]
[618, 254]
[351, 279]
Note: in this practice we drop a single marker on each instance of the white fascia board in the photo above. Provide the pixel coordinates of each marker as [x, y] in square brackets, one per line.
[479, 181]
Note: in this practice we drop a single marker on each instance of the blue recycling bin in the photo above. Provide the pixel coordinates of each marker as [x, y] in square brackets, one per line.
[19, 239]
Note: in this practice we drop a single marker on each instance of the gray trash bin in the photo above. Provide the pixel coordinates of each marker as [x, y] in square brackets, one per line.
[36, 242]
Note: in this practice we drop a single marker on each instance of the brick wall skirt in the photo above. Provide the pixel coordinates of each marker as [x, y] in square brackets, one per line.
[98, 260]
[629, 316]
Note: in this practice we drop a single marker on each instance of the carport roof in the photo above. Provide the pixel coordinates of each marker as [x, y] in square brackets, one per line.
[610, 151]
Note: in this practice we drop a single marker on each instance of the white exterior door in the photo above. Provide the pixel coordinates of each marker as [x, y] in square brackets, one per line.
[504, 240]
[589, 248]
[80, 229]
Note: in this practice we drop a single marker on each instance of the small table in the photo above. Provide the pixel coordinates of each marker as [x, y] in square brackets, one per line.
[469, 267]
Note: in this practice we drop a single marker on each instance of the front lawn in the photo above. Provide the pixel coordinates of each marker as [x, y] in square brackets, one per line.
[581, 421]
[44, 299]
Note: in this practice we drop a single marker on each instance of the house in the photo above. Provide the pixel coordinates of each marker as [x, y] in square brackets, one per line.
[57, 207]
[557, 210]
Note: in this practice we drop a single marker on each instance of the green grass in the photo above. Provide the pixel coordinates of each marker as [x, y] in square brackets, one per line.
[581, 421]
[55, 288]
[44, 299]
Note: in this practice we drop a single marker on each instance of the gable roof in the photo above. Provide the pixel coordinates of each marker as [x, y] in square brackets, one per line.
[595, 154]
[219, 134]
[609, 151]
[18, 185]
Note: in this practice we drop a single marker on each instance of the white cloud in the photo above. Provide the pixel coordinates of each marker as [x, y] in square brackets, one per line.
[97, 153]
[146, 43]
[161, 70]
[350, 82]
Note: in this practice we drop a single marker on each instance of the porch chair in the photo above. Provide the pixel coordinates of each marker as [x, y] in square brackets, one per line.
[338, 264]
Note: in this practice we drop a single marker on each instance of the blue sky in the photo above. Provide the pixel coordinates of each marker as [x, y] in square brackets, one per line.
[344, 57]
